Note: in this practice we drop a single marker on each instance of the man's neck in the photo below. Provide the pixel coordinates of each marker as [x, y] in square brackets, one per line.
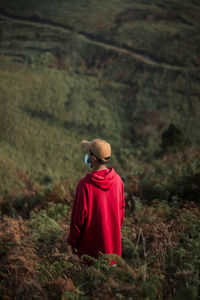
[99, 168]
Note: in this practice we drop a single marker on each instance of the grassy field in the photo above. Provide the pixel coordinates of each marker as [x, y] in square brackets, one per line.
[115, 82]
[125, 71]
[160, 240]
[48, 111]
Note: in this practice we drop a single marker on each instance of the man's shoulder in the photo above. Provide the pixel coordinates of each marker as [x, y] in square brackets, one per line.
[83, 181]
[118, 177]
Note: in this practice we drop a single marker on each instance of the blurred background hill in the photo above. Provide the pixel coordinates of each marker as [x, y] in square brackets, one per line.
[124, 71]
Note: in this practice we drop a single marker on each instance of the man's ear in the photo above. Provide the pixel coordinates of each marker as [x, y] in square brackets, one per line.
[93, 159]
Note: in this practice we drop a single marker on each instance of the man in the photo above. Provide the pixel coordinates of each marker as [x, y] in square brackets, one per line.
[98, 208]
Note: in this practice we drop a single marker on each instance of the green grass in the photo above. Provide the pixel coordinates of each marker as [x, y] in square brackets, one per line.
[163, 30]
[160, 242]
[62, 81]
[58, 86]
[46, 114]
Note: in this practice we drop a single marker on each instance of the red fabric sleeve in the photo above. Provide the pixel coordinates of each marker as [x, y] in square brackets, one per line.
[123, 206]
[78, 215]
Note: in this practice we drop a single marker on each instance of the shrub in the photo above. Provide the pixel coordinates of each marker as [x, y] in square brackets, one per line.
[45, 228]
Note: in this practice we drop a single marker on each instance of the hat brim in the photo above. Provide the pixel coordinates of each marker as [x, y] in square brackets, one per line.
[85, 144]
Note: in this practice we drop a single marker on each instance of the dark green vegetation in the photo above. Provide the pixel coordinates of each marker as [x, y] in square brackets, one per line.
[128, 72]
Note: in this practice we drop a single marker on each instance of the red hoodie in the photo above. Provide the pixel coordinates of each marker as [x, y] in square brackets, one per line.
[98, 214]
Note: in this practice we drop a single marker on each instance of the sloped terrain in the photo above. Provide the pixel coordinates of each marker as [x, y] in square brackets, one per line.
[125, 71]
[160, 241]
[125, 79]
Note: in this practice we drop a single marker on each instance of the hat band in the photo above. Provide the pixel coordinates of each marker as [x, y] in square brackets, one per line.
[100, 159]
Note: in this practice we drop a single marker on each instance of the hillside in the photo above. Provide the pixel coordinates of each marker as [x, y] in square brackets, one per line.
[125, 71]
[120, 70]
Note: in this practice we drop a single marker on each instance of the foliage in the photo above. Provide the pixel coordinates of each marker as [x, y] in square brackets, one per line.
[58, 211]
[84, 70]
[45, 227]
[186, 253]
[160, 257]
[173, 138]
[128, 72]
[172, 178]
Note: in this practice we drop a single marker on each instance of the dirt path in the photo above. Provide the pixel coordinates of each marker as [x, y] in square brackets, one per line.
[96, 40]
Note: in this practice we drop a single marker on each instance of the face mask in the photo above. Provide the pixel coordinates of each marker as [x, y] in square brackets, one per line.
[88, 164]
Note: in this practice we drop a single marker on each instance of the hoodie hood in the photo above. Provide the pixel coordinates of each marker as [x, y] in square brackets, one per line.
[102, 179]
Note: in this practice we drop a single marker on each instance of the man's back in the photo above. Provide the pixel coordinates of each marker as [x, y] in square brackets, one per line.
[98, 214]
